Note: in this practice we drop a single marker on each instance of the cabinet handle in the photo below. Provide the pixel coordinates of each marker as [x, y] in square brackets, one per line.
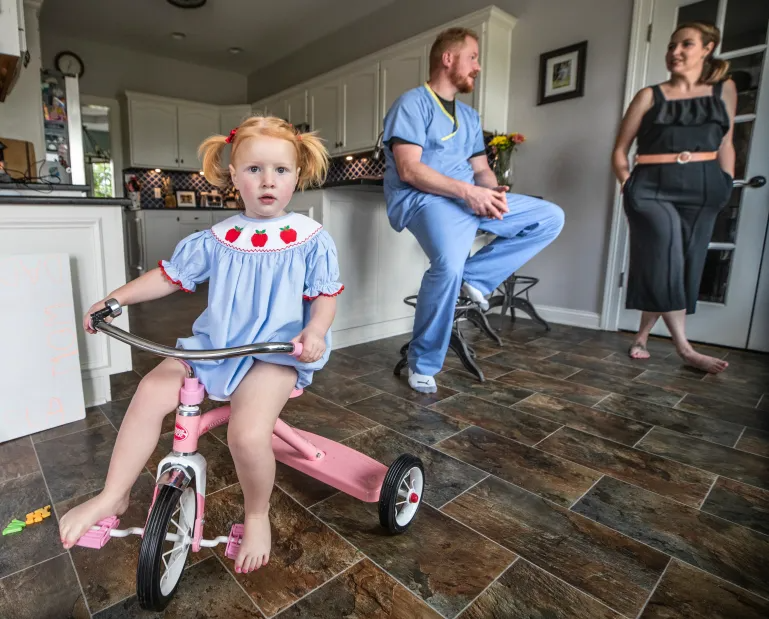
[182, 160]
[177, 219]
[176, 160]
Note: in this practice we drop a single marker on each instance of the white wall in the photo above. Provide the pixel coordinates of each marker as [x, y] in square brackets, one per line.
[21, 114]
[566, 157]
[110, 71]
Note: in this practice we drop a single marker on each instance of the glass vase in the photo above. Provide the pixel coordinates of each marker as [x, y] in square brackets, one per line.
[504, 167]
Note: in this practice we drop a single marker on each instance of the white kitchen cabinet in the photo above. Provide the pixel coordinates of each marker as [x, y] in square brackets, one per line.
[325, 113]
[230, 116]
[271, 107]
[219, 216]
[400, 73]
[154, 140]
[360, 110]
[161, 235]
[296, 107]
[196, 123]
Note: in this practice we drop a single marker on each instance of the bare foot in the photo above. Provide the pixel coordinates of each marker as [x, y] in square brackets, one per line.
[76, 522]
[703, 362]
[255, 545]
[638, 351]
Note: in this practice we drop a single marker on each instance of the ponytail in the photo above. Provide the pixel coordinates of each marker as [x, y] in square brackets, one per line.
[714, 69]
[211, 152]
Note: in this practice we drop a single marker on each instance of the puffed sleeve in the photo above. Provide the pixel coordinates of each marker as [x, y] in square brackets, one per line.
[190, 264]
[322, 274]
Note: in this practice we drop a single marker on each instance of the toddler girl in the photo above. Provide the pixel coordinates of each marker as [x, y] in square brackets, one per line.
[272, 277]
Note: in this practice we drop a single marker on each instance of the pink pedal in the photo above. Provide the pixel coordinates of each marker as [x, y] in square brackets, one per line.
[97, 538]
[233, 544]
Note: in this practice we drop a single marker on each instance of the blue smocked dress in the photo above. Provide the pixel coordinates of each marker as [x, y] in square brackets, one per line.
[261, 273]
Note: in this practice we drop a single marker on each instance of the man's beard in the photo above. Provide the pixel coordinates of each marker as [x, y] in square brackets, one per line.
[463, 83]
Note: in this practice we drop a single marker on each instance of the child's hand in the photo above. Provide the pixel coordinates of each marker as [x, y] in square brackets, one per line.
[314, 344]
[99, 305]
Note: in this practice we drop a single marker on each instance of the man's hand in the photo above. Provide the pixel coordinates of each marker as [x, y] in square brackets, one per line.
[485, 202]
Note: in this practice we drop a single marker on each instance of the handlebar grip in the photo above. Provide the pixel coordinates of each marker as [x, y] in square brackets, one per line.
[298, 348]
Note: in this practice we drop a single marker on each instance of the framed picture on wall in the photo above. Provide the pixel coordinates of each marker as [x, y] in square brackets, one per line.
[562, 73]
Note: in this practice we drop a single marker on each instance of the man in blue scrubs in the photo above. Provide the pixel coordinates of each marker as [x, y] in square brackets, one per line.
[439, 186]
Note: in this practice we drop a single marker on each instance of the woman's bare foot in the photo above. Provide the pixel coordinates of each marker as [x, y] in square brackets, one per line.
[255, 545]
[76, 522]
[638, 351]
[703, 362]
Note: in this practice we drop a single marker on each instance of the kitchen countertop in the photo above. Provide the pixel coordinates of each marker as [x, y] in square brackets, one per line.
[43, 187]
[44, 200]
[363, 181]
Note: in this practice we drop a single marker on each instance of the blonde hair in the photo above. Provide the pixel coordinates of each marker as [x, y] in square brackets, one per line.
[445, 41]
[311, 155]
[714, 70]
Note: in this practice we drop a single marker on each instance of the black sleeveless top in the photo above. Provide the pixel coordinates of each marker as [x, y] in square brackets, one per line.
[675, 125]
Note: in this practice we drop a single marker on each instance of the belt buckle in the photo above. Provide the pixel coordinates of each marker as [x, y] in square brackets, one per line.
[684, 157]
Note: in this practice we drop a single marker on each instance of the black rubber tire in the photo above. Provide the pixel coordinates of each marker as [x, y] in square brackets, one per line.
[388, 496]
[148, 571]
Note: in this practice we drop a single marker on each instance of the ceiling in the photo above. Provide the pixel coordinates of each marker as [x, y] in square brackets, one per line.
[266, 30]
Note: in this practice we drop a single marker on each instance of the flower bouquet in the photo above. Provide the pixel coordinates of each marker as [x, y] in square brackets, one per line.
[503, 147]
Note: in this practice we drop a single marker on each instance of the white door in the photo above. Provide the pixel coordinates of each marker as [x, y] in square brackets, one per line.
[360, 126]
[401, 73]
[153, 136]
[195, 125]
[326, 113]
[296, 107]
[727, 310]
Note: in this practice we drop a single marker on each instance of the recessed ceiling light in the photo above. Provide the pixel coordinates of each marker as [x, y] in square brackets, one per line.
[187, 4]
[178, 35]
[349, 157]
[157, 169]
[235, 50]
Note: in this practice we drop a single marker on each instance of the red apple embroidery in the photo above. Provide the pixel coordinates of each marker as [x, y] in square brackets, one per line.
[233, 234]
[259, 239]
[288, 235]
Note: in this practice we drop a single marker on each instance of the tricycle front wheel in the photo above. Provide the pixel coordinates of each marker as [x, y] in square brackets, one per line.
[401, 493]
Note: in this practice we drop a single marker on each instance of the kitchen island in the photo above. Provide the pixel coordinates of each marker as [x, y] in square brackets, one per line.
[90, 232]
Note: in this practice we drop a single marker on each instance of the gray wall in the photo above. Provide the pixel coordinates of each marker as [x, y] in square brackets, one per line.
[566, 157]
[110, 71]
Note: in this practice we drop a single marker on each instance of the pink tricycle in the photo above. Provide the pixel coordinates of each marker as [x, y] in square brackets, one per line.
[180, 489]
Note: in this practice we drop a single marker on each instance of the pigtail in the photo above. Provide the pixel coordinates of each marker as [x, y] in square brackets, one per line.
[312, 159]
[210, 151]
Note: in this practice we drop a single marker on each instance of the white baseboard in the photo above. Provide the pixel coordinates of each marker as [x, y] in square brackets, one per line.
[370, 333]
[562, 316]
[96, 390]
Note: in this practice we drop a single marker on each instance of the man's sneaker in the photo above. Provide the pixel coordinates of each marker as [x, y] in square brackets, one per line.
[421, 383]
[475, 296]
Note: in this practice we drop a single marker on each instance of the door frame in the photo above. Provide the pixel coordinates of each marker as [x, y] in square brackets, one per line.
[638, 57]
[115, 136]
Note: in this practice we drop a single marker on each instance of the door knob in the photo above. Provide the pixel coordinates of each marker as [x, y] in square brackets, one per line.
[755, 182]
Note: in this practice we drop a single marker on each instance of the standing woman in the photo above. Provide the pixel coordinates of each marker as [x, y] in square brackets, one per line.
[681, 181]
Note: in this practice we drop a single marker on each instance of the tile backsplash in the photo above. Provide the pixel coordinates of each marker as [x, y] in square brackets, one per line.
[340, 168]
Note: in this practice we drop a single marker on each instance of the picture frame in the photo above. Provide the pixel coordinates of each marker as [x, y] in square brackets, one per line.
[562, 73]
[185, 199]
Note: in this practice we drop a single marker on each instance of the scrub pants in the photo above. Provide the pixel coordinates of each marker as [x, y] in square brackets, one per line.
[445, 229]
[671, 211]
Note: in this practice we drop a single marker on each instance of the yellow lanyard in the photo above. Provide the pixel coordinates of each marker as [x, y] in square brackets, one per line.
[454, 120]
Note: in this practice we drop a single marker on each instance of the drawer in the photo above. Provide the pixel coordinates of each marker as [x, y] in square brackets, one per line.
[191, 217]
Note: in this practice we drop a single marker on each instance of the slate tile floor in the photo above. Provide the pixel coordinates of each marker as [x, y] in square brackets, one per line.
[574, 483]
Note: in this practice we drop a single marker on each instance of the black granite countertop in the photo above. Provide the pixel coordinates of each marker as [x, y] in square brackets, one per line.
[45, 200]
[193, 208]
[43, 187]
[364, 181]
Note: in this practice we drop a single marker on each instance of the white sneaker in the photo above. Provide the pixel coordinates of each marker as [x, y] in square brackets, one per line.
[422, 383]
[475, 296]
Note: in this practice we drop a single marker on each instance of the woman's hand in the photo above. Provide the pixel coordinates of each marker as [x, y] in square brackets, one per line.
[98, 306]
[313, 343]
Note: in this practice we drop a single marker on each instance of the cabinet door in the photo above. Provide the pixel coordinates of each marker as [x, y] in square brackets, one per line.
[195, 125]
[271, 107]
[161, 235]
[401, 73]
[186, 229]
[325, 113]
[231, 116]
[220, 216]
[154, 136]
[361, 109]
[296, 106]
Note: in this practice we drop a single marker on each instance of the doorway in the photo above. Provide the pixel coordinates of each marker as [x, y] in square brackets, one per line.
[731, 309]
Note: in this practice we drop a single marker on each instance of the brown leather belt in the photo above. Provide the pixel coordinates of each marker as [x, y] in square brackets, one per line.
[682, 157]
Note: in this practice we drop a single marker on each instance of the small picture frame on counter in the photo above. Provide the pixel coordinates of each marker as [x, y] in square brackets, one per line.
[185, 199]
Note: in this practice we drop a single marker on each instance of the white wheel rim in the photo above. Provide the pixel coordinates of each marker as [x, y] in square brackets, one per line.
[412, 483]
[173, 560]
